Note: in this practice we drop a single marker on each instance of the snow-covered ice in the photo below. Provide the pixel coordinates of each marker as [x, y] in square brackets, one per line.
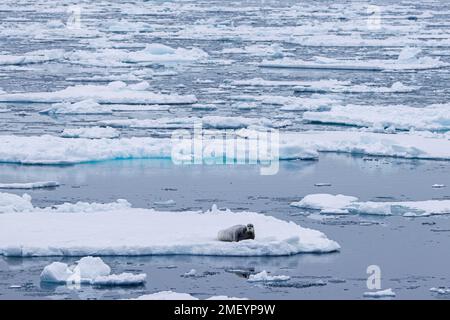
[38, 56]
[88, 106]
[341, 204]
[380, 294]
[116, 92]
[264, 276]
[171, 295]
[91, 133]
[433, 117]
[14, 203]
[89, 270]
[29, 185]
[127, 231]
[407, 60]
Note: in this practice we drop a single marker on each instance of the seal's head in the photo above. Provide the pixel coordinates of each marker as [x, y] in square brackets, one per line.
[250, 231]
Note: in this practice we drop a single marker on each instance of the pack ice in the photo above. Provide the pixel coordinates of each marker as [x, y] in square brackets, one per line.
[116, 92]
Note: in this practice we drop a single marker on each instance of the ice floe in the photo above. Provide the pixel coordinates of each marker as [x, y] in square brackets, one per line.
[407, 60]
[171, 295]
[434, 117]
[91, 133]
[89, 270]
[128, 231]
[264, 276]
[380, 294]
[53, 150]
[88, 106]
[341, 204]
[29, 185]
[292, 103]
[116, 92]
[322, 86]
[152, 54]
[38, 56]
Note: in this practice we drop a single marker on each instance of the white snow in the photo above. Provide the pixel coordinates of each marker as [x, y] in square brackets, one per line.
[91, 133]
[380, 294]
[89, 270]
[121, 230]
[407, 60]
[434, 117]
[29, 185]
[264, 276]
[438, 186]
[116, 92]
[340, 204]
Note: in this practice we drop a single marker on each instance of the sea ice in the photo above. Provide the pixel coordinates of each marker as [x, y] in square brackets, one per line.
[380, 294]
[264, 276]
[122, 230]
[88, 106]
[89, 270]
[434, 117]
[29, 185]
[407, 60]
[91, 133]
[340, 204]
[116, 92]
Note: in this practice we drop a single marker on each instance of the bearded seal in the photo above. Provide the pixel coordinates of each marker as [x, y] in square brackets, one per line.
[237, 233]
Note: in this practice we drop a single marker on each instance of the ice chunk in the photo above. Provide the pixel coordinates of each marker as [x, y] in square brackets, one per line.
[38, 56]
[29, 185]
[123, 279]
[263, 276]
[56, 272]
[87, 106]
[14, 203]
[380, 294]
[89, 270]
[166, 295]
[190, 273]
[128, 231]
[326, 202]
[116, 92]
[91, 133]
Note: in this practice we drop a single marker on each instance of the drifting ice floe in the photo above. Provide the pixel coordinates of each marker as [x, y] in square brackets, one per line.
[380, 294]
[407, 60]
[340, 204]
[291, 103]
[89, 270]
[126, 231]
[116, 92]
[434, 117]
[322, 86]
[170, 295]
[91, 133]
[208, 122]
[50, 150]
[152, 54]
[88, 106]
[263, 276]
[29, 185]
[38, 56]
